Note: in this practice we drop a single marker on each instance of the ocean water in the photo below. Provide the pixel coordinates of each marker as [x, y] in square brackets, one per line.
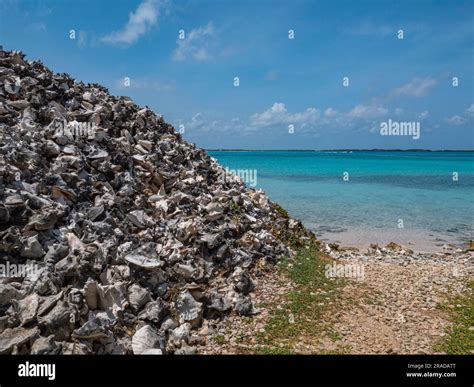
[358, 198]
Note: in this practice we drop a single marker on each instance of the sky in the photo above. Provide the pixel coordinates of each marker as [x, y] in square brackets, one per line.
[269, 74]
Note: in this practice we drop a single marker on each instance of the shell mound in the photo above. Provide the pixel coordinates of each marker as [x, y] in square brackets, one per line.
[116, 235]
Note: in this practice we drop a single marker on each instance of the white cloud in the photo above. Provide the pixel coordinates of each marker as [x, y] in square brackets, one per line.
[139, 22]
[310, 121]
[456, 120]
[470, 110]
[197, 44]
[330, 112]
[278, 115]
[417, 87]
[463, 118]
[424, 115]
[82, 39]
[367, 112]
[311, 118]
[197, 123]
[39, 26]
[201, 124]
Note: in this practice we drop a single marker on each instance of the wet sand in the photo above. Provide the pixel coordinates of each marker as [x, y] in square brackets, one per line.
[416, 240]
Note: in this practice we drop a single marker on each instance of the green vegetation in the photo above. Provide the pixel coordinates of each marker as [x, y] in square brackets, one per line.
[234, 207]
[299, 319]
[460, 336]
[333, 335]
[219, 339]
[281, 210]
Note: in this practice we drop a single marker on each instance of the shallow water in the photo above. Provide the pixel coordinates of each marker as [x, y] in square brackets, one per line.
[406, 197]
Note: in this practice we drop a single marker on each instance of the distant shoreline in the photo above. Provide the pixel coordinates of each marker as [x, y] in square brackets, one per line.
[340, 150]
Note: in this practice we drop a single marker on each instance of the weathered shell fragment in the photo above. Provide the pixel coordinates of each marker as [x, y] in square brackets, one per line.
[93, 329]
[154, 311]
[189, 310]
[180, 335]
[91, 294]
[243, 282]
[143, 261]
[48, 303]
[43, 221]
[244, 306]
[8, 293]
[219, 302]
[148, 341]
[145, 257]
[32, 248]
[27, 308]
[45, 346]
[16, 337]
[59, 321]
[138, 297]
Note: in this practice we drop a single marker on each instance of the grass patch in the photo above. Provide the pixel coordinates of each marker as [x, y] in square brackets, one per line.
[219, 339]
[260, 350]
[234, 207]
[247, 320]
[301, 315]
[333, 335]
[460, 336]
[281, 210]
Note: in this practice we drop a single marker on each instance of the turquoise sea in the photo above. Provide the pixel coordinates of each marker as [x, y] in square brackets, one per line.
[419, 199]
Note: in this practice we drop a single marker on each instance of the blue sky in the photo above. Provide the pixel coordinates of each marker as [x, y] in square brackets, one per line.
[283, 81]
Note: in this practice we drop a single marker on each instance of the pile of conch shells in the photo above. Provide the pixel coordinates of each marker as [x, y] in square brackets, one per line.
[116, 235]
